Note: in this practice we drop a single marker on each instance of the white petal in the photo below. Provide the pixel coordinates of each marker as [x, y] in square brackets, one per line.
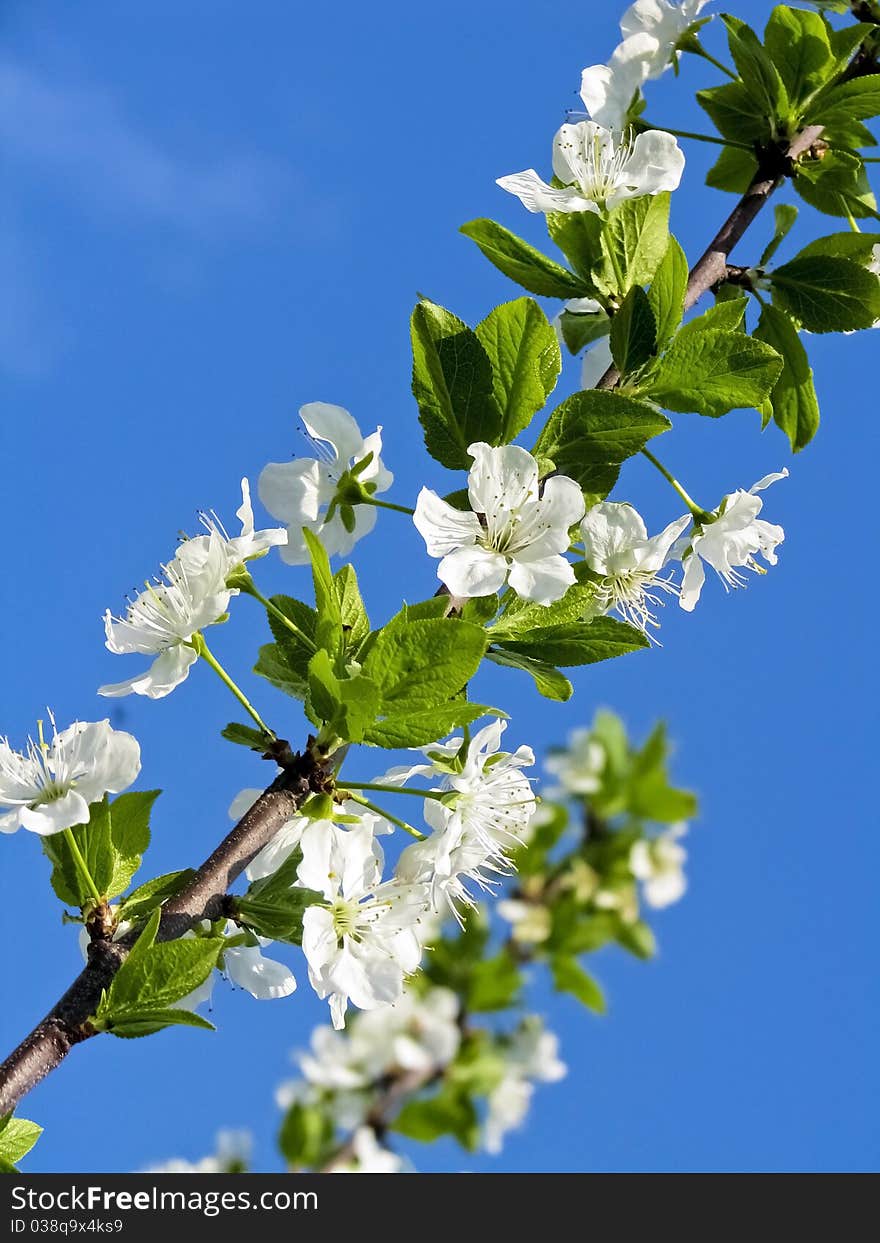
[656, 164]
[441, 526]
[294, 492]
[692, 583]
[243, 802]
[262, 977]
[10, 821]
[768, 479]
[471, 572]
[536, 196]
[335, 426]
[61, 813]
[166, 672]
[610, 530]
[562, 503]
[502, 479]
[543, 581]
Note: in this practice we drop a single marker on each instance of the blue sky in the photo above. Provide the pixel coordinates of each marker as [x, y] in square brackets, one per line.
[214, 214]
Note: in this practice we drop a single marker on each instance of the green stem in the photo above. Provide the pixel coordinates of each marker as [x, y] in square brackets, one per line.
[383, 789]
[251, 589]
[208, 656]
[701, 51]
[684, 133]
[697, 510]
[399, 509]
[81, 864]
[386, 815]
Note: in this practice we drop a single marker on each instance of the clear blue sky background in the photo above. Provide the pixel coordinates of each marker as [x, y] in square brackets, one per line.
[215, 212]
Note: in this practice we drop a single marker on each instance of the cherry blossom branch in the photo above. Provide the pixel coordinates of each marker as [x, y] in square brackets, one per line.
[66, 1024]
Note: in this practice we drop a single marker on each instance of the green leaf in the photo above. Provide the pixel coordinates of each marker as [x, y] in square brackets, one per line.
[570, 977]
[524, 353]
[793, 399]
[285, 662]
[798, 45]
[153, 893]
[347, 705]
[355, 620]
[274, 905]
[112, 844]
[419, 728]
[421, 664]
[17, 1138]
[449, 1112]
[579, 643]
[826, 294]
[494, 984]
[634, 240]
[856, 246]
[727, 315]
[591, 433]
[785, 215]
[633, 333]
[734, 170]
[714, 371]
[549, 682]
[637, 938]
[578, 236]
[153, 977]
[520, 617]
[757, 70]
[667, 292]
[580, 329]
[856, 100]
[147, 1022]
[836, 184]
[522, 263]
[736, 113]
[452, 384]
[246, 736]
[306, 1136]
[328, 627]
[273, 665]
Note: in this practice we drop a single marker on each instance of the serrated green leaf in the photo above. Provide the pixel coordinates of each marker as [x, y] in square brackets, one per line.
[419, 728]
[826, 294]
[633, 333]
[355, 620]
[634, 240]
[452, 384]
[856, 100]
[835, 183]
[727, 315]
[148, 1022]
[735, 112]
[17, 1138]
[570, 977]
[519, 617]
[714, 371]
[523, 263]
[667, 291]
[549, 682]
[734, 170]
[797, 43]
[591, 433]
[524, 353]
[859, 247]
[422, 664]
[579, 643]
[785, 216]
[246, 736]
[793, 399]
[153, 893]
[758, 72]
[578, 235]
[328, 626]
[581, 329]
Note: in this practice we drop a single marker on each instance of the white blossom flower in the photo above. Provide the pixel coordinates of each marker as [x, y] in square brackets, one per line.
[598, 170]
[514, 532]
[652, 30]
[361, 944]
[250, 544]
[531, 922]
[369, 1156]
[579, 767]
[730, 542]
[233, 1156]
[663, 23]
[162, 620]
[617, 549]
[486, 807]
[531, 1056]
[49, 786]
[659, 864]
[322, 495]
